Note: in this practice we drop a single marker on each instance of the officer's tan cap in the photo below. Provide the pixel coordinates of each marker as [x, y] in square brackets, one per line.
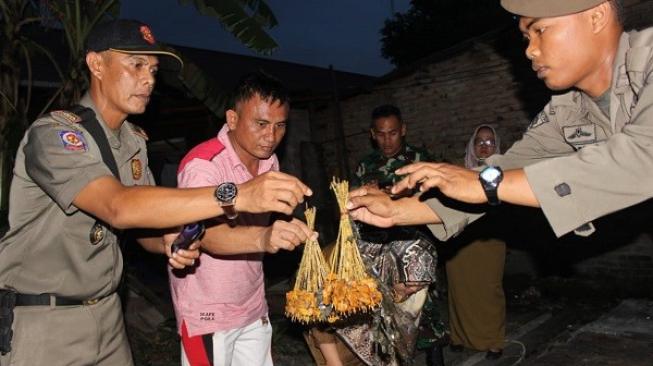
[548, 8]
[131, 36]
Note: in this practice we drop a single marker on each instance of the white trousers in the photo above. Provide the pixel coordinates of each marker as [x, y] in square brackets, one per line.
[246, 346]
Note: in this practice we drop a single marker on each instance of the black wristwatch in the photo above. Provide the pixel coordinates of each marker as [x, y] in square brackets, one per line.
[226, 194]
[490, 178]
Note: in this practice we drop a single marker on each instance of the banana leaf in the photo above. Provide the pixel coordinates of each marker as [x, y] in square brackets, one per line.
[245, 19]
[194, 81]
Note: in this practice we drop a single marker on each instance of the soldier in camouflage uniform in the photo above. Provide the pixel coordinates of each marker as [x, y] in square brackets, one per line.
[402, 258]
[388, 132]
[378, 169]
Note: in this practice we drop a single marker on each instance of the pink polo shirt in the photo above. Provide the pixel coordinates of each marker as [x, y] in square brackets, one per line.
[223, 292]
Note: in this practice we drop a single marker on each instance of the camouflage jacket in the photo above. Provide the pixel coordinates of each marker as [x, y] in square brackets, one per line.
[377, 168]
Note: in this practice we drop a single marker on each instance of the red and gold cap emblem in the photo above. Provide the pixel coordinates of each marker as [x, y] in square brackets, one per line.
[137, 169]
[147, 34]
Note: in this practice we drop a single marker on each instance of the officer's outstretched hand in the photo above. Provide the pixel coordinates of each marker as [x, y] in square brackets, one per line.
[271, 192]
[453, 181]
[285, 235]
[372, 206]
[183, 257]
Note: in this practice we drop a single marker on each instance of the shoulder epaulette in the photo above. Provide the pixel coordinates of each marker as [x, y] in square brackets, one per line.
[139, 131]
[65, 116]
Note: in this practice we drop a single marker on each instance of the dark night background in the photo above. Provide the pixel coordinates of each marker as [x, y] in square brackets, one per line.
[342, 33]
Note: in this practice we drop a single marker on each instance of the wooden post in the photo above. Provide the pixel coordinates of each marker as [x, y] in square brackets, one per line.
[341, 143]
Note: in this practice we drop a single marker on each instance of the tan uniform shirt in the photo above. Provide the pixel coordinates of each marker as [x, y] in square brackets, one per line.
[48, 247]
[580, 163]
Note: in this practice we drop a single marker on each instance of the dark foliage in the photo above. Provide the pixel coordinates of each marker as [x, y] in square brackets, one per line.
[429, 26]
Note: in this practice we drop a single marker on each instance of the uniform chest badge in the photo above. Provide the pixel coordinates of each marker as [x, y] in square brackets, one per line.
[137, 169]
[96, 234]
[72, 140]
[580, 135]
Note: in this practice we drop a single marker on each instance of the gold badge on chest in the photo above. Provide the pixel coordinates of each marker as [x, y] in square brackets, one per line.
[97, 233]
[137, 169]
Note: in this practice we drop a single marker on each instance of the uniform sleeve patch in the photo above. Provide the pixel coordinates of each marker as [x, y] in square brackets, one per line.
[73, 140]
[67, 116]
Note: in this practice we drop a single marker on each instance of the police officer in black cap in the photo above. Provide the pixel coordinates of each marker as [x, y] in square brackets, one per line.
[81, 177]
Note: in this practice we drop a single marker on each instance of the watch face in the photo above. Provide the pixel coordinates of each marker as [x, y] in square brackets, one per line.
[226, 192]
[490, 174]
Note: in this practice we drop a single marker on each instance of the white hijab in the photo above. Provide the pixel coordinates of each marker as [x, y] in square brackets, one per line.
[471, 161]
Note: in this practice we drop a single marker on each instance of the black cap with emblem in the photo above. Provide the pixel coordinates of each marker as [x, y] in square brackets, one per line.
[130, 36]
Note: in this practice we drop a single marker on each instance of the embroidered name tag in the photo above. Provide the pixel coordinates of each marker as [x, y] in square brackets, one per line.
[580, 135]
[72, 140]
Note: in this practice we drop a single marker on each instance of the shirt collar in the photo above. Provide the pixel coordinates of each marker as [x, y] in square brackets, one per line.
[402, 151]
[126, 134]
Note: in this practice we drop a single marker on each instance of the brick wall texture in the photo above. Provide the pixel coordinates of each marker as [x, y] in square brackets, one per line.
[443, 98]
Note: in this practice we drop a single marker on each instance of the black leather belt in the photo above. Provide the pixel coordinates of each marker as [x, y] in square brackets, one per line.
[45, 300]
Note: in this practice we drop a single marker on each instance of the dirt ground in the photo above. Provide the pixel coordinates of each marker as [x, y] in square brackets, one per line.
[569, 304]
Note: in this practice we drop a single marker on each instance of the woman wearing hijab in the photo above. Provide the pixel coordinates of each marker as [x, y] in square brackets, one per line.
[475, 273]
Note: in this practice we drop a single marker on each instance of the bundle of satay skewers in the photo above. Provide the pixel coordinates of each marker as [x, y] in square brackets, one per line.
[304, 303]
[327, 293]
[348, 287]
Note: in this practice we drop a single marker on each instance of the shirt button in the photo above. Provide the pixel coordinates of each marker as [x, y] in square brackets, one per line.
[562, 189]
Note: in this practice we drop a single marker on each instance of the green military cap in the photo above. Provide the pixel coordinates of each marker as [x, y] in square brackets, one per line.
[548, 8]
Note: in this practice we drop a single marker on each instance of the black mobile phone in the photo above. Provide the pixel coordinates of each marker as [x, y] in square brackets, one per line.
[188, 235]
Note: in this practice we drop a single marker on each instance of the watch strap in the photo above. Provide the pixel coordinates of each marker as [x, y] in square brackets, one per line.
[491, 194]
[230, 211]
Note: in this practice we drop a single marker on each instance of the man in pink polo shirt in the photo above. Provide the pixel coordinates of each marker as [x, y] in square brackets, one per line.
[220, 304]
